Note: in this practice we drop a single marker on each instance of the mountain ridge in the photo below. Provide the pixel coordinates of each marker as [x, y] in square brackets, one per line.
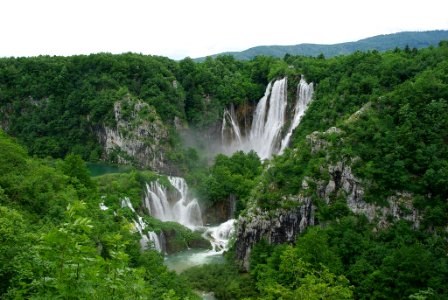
[384, 42]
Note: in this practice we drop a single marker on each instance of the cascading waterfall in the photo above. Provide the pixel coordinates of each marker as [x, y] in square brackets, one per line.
[126, 202]
[268, 121]
[166, 205]
[146, 238]
[304, 95]
[230, 118]
[219, 235]
[264, 139]
[156, 201]
[184, 210]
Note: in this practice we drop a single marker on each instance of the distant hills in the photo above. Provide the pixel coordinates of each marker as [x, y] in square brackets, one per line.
[413, 39]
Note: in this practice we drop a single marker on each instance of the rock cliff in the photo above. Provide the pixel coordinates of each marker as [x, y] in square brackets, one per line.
[139, 137]
[279, 226]
[284, 225]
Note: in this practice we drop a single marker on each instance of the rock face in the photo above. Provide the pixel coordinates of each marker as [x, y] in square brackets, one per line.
[284, 225]
[220, 212]
[398, 207]
[279, 226]
[139, 137]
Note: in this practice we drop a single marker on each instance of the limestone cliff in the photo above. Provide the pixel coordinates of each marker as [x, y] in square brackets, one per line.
[279, 226]
[283, 225]
[138, 138]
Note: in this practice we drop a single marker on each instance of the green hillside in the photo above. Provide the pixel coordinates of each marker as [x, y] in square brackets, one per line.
[355, 208]
[385, 42]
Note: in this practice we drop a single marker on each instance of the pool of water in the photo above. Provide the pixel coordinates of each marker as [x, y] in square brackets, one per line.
[98, 169]
[193, 257]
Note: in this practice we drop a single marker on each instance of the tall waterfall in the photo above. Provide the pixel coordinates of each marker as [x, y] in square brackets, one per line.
[304, 95]
[183, 210]
[268, 121]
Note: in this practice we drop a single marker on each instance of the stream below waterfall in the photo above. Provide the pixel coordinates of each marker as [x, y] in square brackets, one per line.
[219, 239]
[186, 211]
[181, 261]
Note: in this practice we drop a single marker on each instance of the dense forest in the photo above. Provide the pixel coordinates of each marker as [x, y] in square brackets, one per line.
[378, 121]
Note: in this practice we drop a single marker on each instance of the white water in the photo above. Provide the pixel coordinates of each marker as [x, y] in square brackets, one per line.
[268, 121]
[103, 207]
[219, 238]
[230, 118]
[187, 212]
[147, 239]
[182, 210]
[304, 95]
[126, 202]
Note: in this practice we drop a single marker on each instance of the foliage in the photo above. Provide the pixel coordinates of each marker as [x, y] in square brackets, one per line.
[223, 280]
[392, 111]
[286, 275]
[177, 236]
[231, 176]
[80, 252]
[397, 262]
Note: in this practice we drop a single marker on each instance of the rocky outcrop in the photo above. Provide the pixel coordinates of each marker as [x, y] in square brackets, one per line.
[279, 226]
[397, 207]
[139, 137]
[316, 140]
[284, 225]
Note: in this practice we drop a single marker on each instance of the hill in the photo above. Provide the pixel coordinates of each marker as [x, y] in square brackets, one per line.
[413, 39]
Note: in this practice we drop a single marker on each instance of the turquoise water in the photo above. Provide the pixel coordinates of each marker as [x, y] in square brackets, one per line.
[193, 257]
[98, 169]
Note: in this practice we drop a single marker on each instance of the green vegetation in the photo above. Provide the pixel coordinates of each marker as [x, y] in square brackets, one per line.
[223, 280]
[398, 140]
[57, 105]
[380, 43]
[390, 114]
[391, 264]
[55, 242]
[233, 176]
[116, 186]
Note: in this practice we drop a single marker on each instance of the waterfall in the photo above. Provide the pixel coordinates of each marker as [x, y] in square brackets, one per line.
[126, 202]
[264, 138]
[153, 237]
[219, 236]
[184, 210]
[268, 121]
[139, 225]
[230, 117]
[304, 95]
[156, 201]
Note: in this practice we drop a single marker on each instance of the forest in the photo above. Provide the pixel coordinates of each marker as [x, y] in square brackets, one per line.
[389, 114]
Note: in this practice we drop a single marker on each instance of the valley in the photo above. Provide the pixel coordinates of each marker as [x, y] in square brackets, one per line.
[270, 178]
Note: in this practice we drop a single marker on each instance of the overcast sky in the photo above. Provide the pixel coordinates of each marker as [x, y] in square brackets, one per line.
[180, 28]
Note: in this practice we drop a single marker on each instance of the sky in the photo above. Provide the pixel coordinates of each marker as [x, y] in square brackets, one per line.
[195, 28]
